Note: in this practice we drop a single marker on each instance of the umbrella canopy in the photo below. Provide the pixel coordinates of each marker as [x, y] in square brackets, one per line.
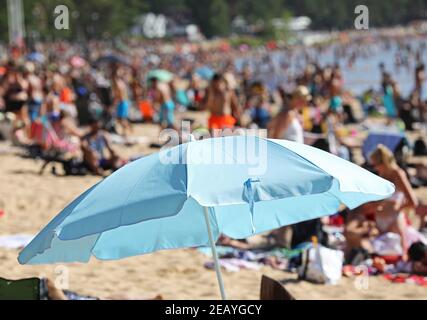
[205, 72]
[160, 74]
[240, 185]
[391, 139]
[111, 59]
[36, 57]
[77, 62]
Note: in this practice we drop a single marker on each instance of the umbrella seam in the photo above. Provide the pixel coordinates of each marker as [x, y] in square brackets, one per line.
[335, 178]
[94, 245]
[129, 194]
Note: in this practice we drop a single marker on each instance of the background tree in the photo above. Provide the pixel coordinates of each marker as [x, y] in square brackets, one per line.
[109, 18]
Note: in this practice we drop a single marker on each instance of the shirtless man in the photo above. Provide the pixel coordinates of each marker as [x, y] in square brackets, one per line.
[35, 92]
[163, 102]
[121, 100]
[222, 103]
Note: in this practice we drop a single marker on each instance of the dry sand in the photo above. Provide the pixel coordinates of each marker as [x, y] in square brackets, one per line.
[31, 200]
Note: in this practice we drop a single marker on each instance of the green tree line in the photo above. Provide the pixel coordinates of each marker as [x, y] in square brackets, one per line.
[107, 18]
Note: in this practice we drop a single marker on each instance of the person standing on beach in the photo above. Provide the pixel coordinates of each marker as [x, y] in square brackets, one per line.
[223, 104]
[35, 91]
[287, 125]
[164, 103]
[335, 91]
[420, 77]
[14, 90]
[121, 100]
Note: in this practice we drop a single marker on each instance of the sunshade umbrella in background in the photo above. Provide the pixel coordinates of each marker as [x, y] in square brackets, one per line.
[188, 195]
[111, 59]
[391, 139]
[77, 62]
[36, 57]
[159, 74]
[205, 72]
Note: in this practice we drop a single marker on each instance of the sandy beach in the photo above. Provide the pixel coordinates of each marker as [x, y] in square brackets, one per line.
[30, 201]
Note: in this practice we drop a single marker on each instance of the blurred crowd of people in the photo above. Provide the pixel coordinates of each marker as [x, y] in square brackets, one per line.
[62, 98]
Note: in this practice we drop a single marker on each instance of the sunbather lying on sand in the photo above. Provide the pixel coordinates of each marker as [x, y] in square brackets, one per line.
[94, 147]
[226, 241]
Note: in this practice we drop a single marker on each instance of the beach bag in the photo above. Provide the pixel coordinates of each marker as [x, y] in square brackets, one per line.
[321, 265]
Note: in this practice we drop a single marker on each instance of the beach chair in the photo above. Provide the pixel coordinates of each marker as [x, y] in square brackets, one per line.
[50, 147]
[36, 289]
[273, 290]
[23, 289]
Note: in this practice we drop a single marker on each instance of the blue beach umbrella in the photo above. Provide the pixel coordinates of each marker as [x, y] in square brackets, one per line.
[205, 72]
[188, 195]
[36, 57]
[110, 59]
[160, 74]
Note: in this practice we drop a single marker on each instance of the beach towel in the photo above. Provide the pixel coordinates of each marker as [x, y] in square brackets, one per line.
[388, 244]
[234, 265]
[236, 259]
[251, 255]
[407, 278]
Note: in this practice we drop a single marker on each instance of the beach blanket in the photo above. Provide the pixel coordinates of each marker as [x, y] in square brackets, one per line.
[251, 255]
[234, 265]
[388, 244]
[407, 278]
[234, 260]
[15, 241]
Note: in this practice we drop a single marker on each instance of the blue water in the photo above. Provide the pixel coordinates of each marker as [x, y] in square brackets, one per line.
[364, 74]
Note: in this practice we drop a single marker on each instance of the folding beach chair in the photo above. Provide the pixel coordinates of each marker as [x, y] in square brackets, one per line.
[33, 289]
[23, 289]
[273, 290]
[52, 148]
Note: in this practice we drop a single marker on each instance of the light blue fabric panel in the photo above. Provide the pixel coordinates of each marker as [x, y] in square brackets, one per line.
[142, 190]
[186, 229]
[275, 171]
[155, 203]
[234, 221]
[45, 238]
[350, 177]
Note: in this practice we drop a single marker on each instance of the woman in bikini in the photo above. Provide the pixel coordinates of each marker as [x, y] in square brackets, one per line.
[390, 213]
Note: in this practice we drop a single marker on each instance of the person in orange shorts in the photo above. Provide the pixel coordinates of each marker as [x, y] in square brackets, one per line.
[222, 103]
[221, 122]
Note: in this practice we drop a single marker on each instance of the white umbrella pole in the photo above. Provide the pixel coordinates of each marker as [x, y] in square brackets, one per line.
[215, 255]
